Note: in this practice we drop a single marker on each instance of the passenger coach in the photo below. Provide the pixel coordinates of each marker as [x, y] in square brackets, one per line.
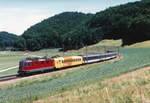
[61, 62]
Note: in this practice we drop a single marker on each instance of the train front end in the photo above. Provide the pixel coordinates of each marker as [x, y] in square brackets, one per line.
[23, 67]
[35, 65]
[20, 67]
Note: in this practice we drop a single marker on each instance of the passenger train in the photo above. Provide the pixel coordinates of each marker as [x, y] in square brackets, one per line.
[32, 65]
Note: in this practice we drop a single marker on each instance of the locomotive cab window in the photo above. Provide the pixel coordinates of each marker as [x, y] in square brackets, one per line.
[42, 62]
[25, 64]
[29, 64]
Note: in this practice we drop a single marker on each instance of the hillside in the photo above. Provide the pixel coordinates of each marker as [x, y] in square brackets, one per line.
[72, 30]
[132, 87]
[51, 32]
[120, 89]
[7, 39]
[129, 22]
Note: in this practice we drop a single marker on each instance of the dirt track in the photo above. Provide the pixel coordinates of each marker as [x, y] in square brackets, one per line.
[3, 70]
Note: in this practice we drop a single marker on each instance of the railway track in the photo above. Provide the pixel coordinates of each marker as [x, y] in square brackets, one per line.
[16, 76]
[9, 77]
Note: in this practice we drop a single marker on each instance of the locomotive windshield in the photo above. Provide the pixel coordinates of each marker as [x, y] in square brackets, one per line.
[25, 64]
[20, 63]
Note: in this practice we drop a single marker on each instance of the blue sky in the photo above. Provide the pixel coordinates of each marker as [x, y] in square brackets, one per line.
[16, 16]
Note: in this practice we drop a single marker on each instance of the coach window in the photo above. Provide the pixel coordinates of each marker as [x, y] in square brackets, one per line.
[59, 61]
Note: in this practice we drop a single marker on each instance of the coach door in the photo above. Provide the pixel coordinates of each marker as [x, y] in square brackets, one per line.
[59, 63]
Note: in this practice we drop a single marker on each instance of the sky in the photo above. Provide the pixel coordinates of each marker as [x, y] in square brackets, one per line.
[16, 16]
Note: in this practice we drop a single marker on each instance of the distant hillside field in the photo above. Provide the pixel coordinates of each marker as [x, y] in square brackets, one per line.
[109, 42]
[144, 44]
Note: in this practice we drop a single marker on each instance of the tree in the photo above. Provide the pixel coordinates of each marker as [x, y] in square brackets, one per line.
[20, 44]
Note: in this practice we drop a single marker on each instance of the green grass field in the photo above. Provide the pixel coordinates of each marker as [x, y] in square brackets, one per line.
[132, 87]
[34, 89]
[134, 58]
[9, 59]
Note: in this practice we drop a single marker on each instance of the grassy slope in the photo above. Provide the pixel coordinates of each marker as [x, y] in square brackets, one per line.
[133, 59]
[129, 88]
[145, 44]
[109, 43]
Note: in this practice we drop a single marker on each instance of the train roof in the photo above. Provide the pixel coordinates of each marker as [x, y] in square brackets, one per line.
[72, 57]
[89, 55]
[35, 59]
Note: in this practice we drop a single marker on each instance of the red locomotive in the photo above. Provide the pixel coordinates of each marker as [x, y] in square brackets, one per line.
[30, 65]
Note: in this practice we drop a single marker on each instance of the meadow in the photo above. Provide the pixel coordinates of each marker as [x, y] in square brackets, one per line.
[132, 87]
[9, 59]
[133, 58]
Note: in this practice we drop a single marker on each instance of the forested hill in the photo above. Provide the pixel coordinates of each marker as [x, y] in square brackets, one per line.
[7, 39]
[51, 32]
[129, 22]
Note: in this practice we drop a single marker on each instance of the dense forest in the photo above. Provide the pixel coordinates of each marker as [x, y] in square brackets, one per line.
[129, 22]
[72, 30]
[51, 32]
[7, 40]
